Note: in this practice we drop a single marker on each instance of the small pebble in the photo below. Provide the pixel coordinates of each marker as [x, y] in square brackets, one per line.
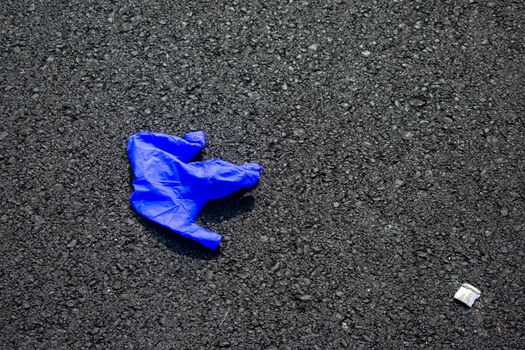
[448, 120]
[254, 94]
[399, 183]
[299, 132]
[407, 135]
[416, 102]
[275, 267]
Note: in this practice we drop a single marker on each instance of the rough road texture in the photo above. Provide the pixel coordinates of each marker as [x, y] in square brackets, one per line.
[392, 139]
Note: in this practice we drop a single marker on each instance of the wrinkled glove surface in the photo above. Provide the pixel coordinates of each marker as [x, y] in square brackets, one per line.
[170, 191]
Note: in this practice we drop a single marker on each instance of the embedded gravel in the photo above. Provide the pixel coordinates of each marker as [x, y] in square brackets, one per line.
[392, 139]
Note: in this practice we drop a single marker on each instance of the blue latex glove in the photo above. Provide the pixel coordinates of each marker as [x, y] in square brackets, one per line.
[171, 192]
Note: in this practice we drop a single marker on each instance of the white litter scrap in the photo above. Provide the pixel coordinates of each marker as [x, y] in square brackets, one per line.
[467, 294]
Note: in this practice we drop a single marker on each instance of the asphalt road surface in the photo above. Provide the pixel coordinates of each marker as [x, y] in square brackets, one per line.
[392, 139]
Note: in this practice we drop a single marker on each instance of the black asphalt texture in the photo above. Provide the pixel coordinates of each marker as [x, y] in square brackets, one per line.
[391, 134]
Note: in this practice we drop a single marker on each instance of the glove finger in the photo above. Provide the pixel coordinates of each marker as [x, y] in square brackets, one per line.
[196, 137]
[145, 145]
[207, 238]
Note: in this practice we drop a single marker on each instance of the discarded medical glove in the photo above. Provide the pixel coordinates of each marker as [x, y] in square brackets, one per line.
[170, 191]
